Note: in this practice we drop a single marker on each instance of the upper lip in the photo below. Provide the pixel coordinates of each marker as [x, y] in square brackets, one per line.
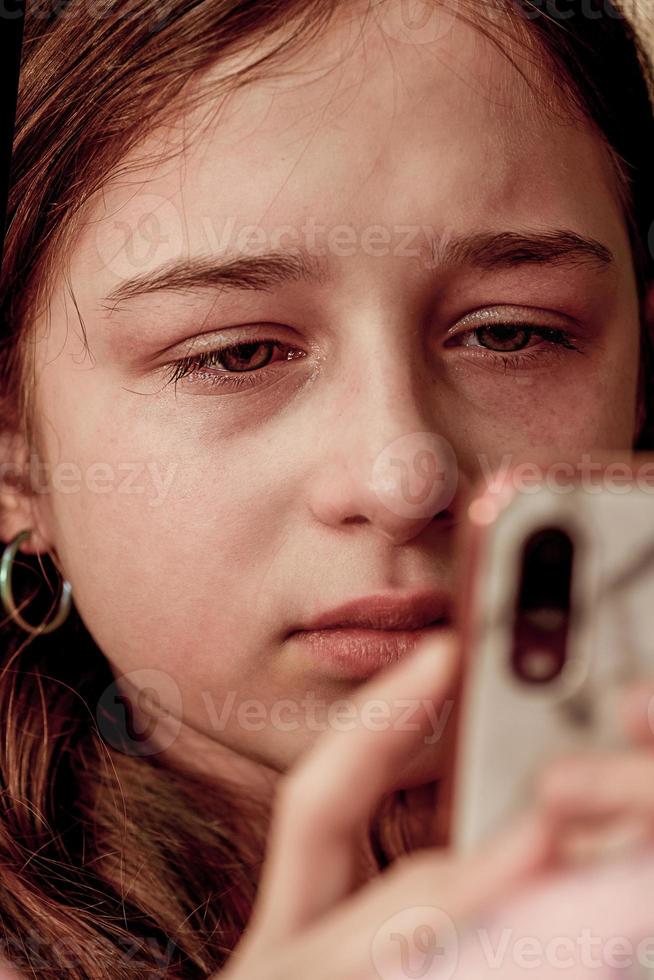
[386, 611]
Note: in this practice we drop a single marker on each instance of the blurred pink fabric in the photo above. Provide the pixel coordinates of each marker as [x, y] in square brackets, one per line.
[595, 923]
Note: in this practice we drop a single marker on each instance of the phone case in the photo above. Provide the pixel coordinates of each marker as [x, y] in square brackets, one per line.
[508, 729]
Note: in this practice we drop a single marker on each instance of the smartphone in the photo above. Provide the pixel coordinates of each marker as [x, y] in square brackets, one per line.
[557, 614]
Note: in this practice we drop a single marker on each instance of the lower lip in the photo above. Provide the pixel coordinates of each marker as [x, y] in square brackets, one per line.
[357, 653]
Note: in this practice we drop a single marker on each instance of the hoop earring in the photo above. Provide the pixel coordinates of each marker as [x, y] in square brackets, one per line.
[6, 566]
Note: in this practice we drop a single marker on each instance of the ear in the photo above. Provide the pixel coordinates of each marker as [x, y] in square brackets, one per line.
[20, 504]
[647, 363]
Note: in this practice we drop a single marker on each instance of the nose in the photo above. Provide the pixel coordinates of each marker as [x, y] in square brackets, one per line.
[384, 463]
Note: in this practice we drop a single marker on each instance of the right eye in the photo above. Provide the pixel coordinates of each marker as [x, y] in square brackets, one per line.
[216, 367]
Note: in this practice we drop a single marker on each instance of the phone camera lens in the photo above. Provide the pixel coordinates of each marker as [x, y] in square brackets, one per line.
[542, 613]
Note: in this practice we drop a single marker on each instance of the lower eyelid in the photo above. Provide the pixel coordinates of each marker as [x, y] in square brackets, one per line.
[473, 359]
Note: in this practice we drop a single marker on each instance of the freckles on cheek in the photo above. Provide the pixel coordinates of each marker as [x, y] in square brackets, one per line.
[538, 410]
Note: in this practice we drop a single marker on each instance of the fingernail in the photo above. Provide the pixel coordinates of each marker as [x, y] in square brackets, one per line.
[638, 706]
[590, 845]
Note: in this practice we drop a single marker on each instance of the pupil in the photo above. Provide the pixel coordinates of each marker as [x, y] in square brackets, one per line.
[240, 358]
[503, 338]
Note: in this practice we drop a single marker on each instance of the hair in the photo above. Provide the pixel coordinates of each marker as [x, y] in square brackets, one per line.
[115, 865]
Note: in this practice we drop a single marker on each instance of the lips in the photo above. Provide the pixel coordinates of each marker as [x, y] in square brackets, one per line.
[385, 611]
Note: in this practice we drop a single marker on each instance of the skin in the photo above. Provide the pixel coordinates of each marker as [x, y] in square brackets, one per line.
[575, 868]
[273, 512]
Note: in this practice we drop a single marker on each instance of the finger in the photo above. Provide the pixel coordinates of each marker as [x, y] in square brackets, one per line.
[602, 784]
[599, 808]
[573, 920]
[425, 895]
[637, 709]
[326, 802]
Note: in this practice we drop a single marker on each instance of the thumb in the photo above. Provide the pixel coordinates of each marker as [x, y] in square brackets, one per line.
[326, 802]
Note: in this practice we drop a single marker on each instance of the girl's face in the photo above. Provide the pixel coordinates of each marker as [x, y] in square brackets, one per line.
[364, 224]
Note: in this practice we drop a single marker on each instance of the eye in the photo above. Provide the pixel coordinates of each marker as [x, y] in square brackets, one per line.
[502, 337]
[516, 345]
[515, 337]
[234, 366]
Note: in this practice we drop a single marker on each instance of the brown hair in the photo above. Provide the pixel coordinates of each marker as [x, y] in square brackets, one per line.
[114, 865]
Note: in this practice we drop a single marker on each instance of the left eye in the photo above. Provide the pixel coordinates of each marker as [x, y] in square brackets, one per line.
[510, 338]
[218, 366]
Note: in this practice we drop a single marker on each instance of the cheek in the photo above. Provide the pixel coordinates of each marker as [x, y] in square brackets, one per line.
[169, 527]
[168, 556]
[580, 406]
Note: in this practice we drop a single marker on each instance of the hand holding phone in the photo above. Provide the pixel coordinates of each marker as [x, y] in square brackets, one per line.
[558, 614]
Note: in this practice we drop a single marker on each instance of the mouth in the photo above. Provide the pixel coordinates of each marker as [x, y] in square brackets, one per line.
[356, 639]
[384, 611]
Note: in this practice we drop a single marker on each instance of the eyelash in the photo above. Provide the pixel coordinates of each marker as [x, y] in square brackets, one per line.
[512, 360]
[188, 366]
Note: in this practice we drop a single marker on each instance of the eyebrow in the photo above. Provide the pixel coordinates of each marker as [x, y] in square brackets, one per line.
[507, 249]
[264, 272]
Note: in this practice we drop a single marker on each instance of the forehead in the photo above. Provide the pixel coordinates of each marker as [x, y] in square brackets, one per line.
[378, 121]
